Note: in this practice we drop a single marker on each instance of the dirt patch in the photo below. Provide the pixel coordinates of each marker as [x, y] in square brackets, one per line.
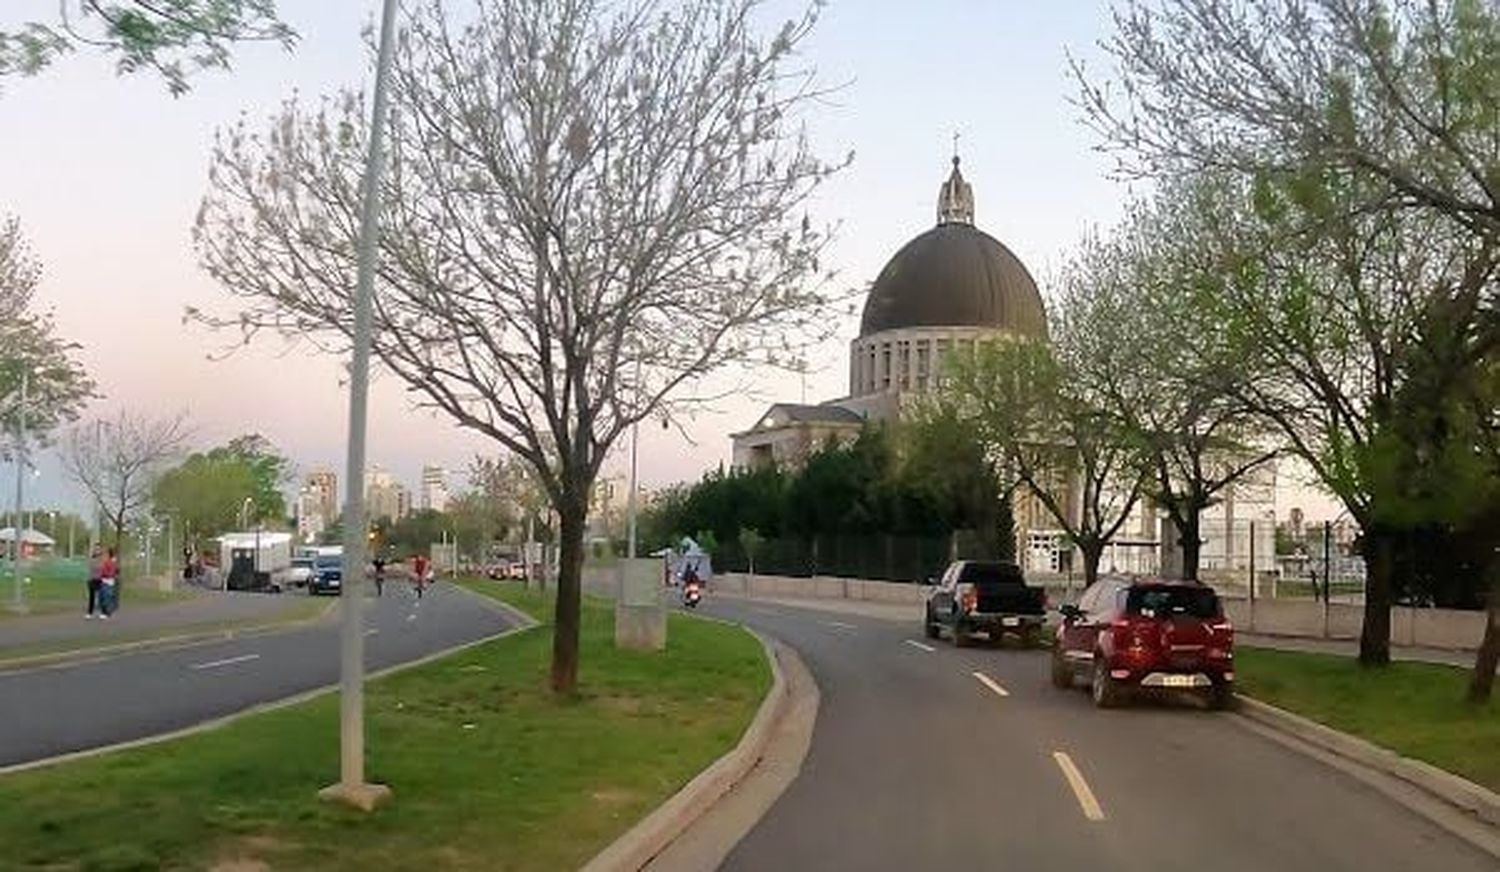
[243, 854]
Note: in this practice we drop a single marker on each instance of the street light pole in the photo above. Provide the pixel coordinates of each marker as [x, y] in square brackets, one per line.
[352, 788]
[18, 601]
[635, 438]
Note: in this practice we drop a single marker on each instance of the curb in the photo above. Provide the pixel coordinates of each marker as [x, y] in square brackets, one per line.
[77, 656]
[1473, 800]
[524, 623]
[643, 842]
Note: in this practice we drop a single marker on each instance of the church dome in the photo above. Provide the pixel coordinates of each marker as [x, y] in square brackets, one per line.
[955, 275]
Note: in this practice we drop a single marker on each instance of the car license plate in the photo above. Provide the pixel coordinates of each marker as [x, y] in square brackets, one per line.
[1177, 681]
[1010, 622]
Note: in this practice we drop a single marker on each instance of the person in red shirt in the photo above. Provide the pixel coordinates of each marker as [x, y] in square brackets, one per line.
[109, 585]
[419, 573]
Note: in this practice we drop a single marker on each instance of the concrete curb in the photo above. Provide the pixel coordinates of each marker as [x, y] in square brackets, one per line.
[1473, 800]
[524, 623]
[643, 842]
[76, 656]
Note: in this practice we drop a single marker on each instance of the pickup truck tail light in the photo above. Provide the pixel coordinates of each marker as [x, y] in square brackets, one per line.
[968, 597]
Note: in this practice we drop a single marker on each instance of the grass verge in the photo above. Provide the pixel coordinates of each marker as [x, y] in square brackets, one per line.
[490, 771]
[58, 584]
[1415, 709]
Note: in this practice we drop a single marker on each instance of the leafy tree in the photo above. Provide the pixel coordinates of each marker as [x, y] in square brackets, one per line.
[415, 533]
[750, 542]
[269, 471]
[208, 490]
[56, 385]
[1142, 331]
[591, 206]
[172, 37]
[1037, 417]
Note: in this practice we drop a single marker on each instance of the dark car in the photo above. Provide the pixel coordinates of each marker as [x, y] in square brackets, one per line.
[327, 574]
[1129, 636]
[985, 596]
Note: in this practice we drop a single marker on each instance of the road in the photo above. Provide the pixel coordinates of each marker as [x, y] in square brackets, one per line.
[929, 757]
[58, 709]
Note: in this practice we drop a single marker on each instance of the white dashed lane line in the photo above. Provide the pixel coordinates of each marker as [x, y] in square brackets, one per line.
[992, 684]
[1086, 799]
[920, 646]
[840, 625]
[228, 661]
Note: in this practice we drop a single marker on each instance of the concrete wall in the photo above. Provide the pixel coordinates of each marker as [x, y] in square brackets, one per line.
[1431, 628]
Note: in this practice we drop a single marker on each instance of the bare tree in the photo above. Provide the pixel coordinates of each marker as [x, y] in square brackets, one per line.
[578, 191]
[57, 386]
[117, 461]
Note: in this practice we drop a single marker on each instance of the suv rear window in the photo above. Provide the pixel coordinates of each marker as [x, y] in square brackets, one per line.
[991, 573]
[1166, 602]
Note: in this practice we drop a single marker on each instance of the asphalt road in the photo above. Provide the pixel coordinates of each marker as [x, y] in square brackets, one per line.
[54, 710]
[919, 763]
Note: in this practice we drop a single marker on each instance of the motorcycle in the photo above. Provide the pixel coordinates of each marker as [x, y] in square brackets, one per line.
[692, 594]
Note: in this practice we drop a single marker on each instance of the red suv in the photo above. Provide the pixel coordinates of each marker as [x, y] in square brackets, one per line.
[1126, 636]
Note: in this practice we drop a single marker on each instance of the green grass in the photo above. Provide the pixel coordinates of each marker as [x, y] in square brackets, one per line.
[1415, 709]
[490, 771]
[1305, 589]
[59, 585]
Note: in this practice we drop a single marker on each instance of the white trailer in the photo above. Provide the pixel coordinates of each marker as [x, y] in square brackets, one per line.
[258, 560]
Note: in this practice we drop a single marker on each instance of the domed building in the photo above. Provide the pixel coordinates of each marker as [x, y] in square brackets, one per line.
[944, 291]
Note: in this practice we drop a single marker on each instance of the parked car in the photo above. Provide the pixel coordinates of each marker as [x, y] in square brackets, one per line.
[985, 596]
[301, 571]
[328, 574]
[1127, 636]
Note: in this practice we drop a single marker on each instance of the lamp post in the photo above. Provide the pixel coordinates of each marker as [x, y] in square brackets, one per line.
[352, 788]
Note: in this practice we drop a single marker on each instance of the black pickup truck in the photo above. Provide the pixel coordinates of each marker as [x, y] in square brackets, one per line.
[991, 597]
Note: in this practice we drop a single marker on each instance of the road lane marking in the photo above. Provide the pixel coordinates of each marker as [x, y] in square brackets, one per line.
[991, 683]
[371, 632]
[840, 625]
[228, 661]
[1086, 800]
[920, 646]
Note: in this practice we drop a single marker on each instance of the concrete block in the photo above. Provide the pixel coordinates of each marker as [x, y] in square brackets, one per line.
[1448, 628]
[640, 628]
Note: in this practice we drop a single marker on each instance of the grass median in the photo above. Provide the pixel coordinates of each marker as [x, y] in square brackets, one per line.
[58, 584]
[490, 771]
[1414, 709]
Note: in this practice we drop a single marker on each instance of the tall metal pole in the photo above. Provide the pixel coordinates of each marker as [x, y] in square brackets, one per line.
[635, 439]
[18, 597]
[352, 787]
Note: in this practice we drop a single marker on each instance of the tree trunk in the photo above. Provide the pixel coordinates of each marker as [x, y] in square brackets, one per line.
[1375, 635]
[1488, 658]
[1189, 530]
[1093, 553]
[573, 516]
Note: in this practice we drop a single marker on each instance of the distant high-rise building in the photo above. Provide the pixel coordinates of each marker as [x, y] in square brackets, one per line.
[384, 496]
[311, 521]
[326, 485]
[434, 495]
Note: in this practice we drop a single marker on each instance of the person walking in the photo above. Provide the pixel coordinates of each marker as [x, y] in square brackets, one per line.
[96, 565]
[380, 576]
[419, 573]
[109, 585]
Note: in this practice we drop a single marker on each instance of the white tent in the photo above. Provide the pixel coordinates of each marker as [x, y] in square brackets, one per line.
[34, 538]
[693, 555]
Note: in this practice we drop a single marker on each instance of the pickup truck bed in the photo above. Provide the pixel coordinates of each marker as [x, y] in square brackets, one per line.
[985, 597]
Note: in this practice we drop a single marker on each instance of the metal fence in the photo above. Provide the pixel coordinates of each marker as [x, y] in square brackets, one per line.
[878, 557]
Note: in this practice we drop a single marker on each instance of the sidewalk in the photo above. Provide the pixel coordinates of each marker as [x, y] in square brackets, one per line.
[203, 611]
[912, 614]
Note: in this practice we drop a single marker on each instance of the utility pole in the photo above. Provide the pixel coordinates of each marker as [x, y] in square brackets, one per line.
[352, 788]
[18, 597]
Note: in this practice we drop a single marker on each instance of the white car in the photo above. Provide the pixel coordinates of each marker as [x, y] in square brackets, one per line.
[301, 572]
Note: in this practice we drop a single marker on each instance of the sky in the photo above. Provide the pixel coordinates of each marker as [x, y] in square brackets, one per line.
[106, 172]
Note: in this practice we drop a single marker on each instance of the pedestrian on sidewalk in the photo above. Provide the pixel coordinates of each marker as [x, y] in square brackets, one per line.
[379, 576]
[96, 565]
[109, 585]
